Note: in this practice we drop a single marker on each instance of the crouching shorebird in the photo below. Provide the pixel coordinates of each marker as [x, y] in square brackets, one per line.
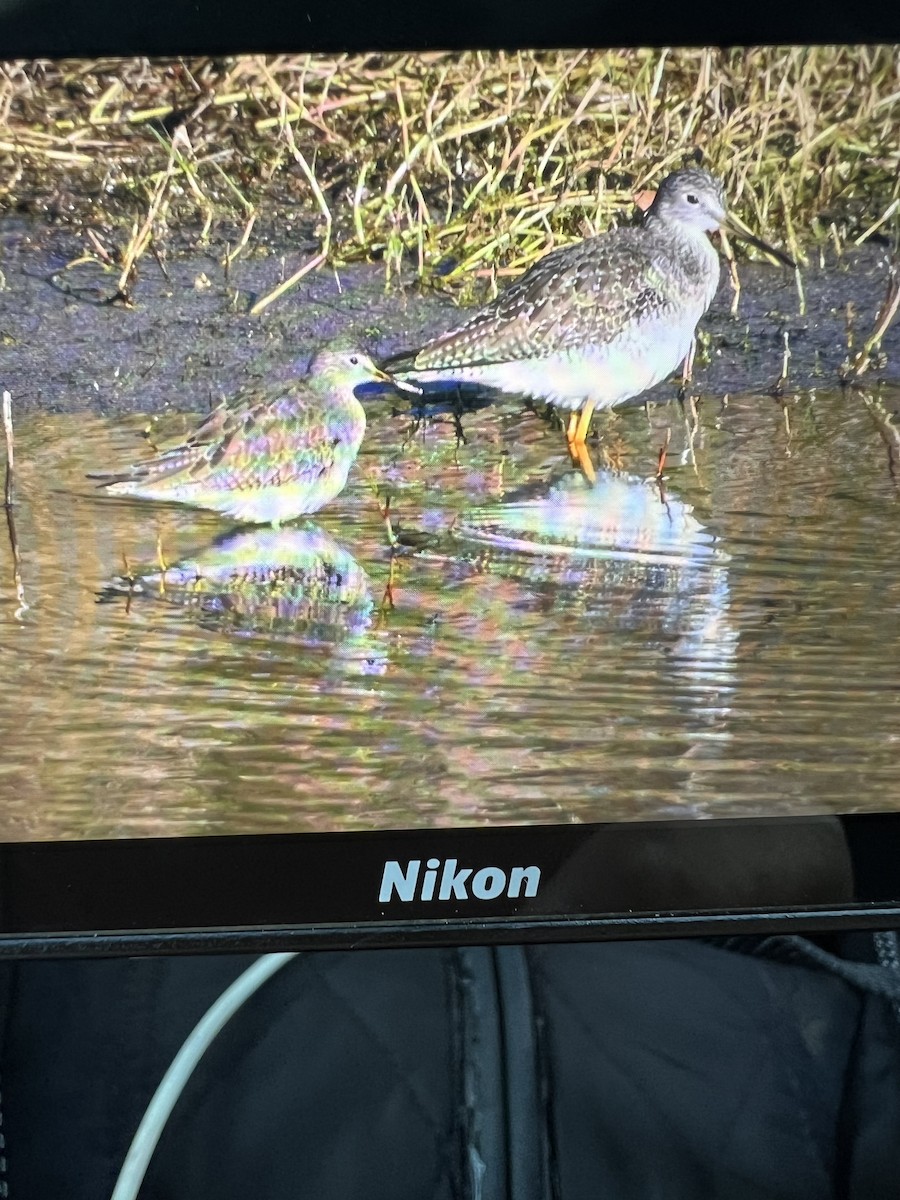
[596, 323]
[269, 455]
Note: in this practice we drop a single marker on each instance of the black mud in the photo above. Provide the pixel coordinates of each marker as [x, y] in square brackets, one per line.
[189, 339]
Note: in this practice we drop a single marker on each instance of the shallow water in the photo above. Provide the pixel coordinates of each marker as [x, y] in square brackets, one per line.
[537, 650]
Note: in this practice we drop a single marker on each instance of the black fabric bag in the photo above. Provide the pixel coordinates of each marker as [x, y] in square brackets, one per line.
[650, 1070]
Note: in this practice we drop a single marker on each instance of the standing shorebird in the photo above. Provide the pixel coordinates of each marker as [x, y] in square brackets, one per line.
[269, 455]
[596, 323]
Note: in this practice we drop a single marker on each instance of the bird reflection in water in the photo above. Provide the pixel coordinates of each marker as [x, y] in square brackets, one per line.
[295, 581]
[624, 555]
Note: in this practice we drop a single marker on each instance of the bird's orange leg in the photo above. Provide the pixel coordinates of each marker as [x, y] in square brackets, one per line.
[581, 458]
[576, 433]
[584, 423]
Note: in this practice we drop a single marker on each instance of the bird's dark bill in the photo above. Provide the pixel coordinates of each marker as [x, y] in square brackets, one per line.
[736, 231]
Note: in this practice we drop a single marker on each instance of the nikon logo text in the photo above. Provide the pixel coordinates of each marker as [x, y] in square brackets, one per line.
[445, 880]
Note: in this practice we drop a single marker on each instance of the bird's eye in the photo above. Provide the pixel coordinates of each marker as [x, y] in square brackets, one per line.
[691, 198]
[354, 361]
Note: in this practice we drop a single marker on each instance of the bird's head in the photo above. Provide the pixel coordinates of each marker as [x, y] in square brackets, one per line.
[694, 199]
[351, 368]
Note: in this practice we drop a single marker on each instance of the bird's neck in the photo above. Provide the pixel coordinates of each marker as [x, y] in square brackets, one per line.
[676, 232]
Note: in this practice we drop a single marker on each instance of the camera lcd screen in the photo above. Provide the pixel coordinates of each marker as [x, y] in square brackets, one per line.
[400, 455]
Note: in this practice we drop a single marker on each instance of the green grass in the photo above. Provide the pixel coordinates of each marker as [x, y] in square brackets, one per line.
[465, 167]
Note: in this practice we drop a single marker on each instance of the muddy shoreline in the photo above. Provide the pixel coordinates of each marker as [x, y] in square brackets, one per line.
[189, 339]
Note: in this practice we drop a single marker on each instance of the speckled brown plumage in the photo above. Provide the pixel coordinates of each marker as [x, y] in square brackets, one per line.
[598, 322]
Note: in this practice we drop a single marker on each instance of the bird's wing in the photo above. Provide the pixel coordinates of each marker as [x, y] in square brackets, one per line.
[259, 432]
[274, 441]
[192, 452]
[582, 293]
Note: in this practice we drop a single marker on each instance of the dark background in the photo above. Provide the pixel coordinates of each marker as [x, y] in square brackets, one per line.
[55, 28]
[88, 28]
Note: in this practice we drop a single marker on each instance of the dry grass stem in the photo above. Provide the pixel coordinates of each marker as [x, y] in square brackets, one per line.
[886, 314]
[782, 380]
[287, 284]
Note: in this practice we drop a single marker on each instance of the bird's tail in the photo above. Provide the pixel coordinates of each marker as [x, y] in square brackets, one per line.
[110, 479]
[150, 470]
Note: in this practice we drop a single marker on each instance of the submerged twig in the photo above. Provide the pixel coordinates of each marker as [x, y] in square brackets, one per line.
[692, 425]
[687, 370]
[388, 603]
[778, 392]
[161, 563]
[129, 579]
[8, 503]
[230, 255]
[787, 427]
[663, 454]
[10, 453]
[461, 439]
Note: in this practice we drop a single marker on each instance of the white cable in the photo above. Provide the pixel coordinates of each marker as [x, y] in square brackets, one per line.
[173, 1082]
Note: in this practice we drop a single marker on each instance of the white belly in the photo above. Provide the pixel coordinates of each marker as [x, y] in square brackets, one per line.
[600, 375]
